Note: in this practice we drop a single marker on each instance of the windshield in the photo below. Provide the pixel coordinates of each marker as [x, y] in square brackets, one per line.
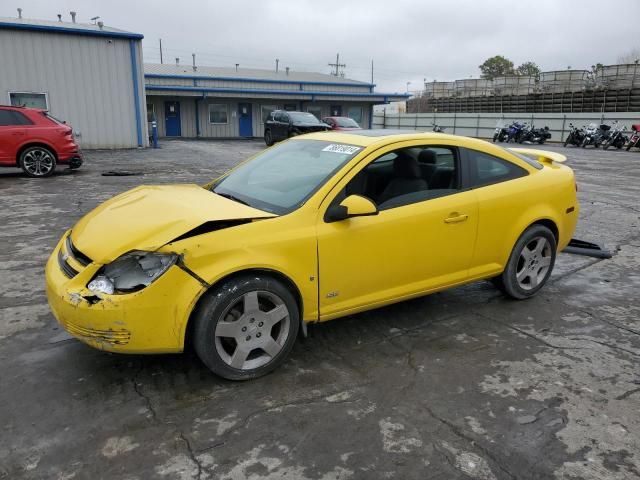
[283, 177]
[303, 117]
[346, 122]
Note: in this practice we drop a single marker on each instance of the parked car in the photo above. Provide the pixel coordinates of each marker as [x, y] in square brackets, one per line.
[342, 123]
[35, 141]
[316, 228]
[282, 124]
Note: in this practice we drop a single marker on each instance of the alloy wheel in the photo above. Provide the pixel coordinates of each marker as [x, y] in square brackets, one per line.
[253, 330]
[38, 162]
[533, 263]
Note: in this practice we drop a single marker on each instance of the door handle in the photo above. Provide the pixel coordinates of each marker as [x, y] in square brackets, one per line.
[456, 218]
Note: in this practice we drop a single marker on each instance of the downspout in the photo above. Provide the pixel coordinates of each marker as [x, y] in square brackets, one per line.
[197, 117]
[370, 116]
[136, 89]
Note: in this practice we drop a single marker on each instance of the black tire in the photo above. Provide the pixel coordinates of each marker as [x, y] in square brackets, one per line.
[605, 145]
[268, 138]
[37, 162]
[628, 147]
[495, 137]
[566, 141]
[218, 307]
[508, 281]
[584, 142]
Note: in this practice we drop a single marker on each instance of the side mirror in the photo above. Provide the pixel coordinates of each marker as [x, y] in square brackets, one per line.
[352, 206]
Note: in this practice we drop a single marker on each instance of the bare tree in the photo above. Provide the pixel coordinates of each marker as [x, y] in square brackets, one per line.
[631, 56]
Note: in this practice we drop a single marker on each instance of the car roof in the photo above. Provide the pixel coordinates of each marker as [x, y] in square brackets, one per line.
[22, 107]
[365, 138]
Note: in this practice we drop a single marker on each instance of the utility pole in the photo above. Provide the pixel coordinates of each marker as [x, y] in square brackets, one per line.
[372, 71]
[277, 62]
[160, 50]
[338, 65]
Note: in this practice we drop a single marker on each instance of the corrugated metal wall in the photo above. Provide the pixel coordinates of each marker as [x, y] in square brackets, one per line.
[88, 81]
[483, 125]
[231, 129]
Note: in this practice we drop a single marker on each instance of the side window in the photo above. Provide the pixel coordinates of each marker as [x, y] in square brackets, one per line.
[485, 169]
[284, 117]
[21, 119]
[408, 175]
[6, 118]
[11, 118]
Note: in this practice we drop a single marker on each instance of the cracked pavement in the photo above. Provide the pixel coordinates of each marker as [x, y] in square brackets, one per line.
[456, 385]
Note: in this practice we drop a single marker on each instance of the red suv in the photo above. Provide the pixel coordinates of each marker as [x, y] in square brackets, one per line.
[33, 140]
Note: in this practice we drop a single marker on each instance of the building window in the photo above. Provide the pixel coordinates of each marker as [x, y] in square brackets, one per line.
[218, 113]
[29, 99]
[266, 111]
[315, 110]
[151, 112]
[355, 113]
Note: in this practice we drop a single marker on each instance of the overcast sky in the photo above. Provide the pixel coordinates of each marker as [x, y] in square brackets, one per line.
[408, 40]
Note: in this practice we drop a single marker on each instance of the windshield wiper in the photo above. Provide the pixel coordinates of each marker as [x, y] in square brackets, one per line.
[231, 197]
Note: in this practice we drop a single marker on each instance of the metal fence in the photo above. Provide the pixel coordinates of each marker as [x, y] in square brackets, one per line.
[482, 125]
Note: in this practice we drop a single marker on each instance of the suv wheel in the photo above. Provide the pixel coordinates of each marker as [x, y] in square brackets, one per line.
[268, 139]
[37, 161]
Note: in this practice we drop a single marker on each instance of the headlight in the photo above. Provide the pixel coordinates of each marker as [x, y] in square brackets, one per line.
[131, 272]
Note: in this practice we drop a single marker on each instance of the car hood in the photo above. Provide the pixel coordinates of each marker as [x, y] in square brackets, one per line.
[148, 217]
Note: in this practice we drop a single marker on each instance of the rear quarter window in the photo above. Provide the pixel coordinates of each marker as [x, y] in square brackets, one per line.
[485, 169]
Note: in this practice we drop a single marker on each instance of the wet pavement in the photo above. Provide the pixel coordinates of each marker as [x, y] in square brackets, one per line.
[456, 385]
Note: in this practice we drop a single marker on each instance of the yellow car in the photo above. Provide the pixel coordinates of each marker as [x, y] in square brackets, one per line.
[318, 227]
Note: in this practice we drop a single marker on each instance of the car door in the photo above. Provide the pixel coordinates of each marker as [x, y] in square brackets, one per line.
[283, 125]
[418, 242]
[12, 135]
[503, 197]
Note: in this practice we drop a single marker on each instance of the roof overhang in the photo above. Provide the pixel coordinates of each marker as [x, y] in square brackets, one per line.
[70, 30]
[297, 94]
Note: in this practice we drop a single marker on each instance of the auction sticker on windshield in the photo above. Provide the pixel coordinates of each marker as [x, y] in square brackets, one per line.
[339, 148]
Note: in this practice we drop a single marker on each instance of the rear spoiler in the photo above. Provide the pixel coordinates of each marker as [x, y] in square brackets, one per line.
[543, 156]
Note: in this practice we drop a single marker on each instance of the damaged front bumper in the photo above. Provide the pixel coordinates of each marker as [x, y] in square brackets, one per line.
[152, 320]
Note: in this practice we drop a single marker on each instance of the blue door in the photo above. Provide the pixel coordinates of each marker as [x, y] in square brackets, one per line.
[172, 119]
[245, 120]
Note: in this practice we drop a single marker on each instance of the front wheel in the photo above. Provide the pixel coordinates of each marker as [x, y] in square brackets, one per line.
[568, 140]
[268, 139]
[37, 162]
[495, 137]
[530, 263]
[246, 327]
[628, 147]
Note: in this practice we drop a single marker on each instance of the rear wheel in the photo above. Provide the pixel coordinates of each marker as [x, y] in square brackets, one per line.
[268, 139]
[246, 327]
[530, 263]
[37, 162]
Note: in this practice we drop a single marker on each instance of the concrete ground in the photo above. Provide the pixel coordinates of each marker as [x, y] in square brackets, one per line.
[457, 385]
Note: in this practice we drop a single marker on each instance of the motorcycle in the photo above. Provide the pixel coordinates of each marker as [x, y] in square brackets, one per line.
[634, 141]
[616, 138]
[535, 135]
[514, 132]
[501, 133]
[437, 128]
[595, 135]
[575, 136]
